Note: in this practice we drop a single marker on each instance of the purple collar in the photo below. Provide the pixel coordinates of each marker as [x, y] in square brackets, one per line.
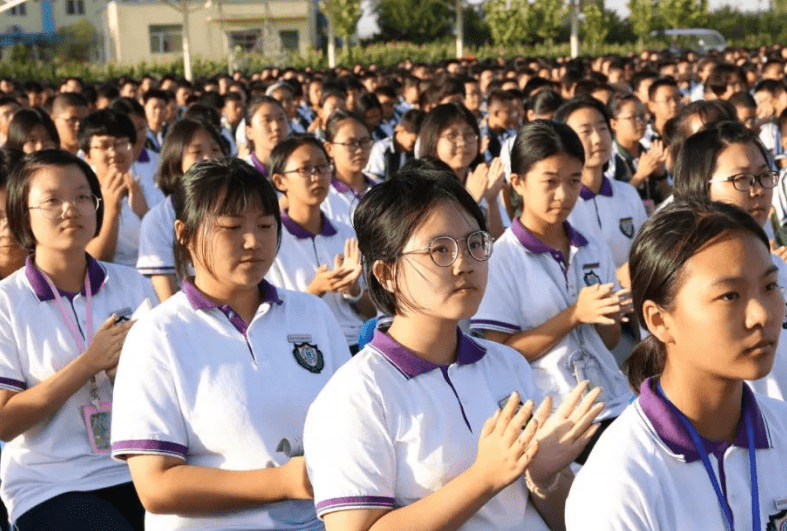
[536, 246]
[606, 189]
[259, 165]
[412, 365]
[199, 301]
[95, 274]
[301, 233]
[144, 158]
[671, 431]
[344, 188]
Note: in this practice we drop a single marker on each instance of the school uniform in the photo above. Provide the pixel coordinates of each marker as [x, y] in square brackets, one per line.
[385, 159]
[156, 240]
[645, 473]
[615, 214]
[198, 384]
[55, 456]
[391, 428]
[530, 283]
[155, 140]
[144, 168]
[772, 139]
[342, 201]
[129, 225]
[299, 256]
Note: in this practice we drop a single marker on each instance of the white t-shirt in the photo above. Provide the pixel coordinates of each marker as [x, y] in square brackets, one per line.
[390, 428]
[646, 474]
[144, 168]
[157, 234]
[196, 383]
[299, 256]
[54, 456]
[528, 284]
[342, 201]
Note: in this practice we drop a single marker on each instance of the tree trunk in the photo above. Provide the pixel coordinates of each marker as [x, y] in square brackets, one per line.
[460, 30]
[574, 29]
[331, 44]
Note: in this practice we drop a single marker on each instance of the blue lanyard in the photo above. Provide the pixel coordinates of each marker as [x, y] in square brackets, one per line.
[695, 437]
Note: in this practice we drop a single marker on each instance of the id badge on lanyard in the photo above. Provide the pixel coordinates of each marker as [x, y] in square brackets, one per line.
[97, 414]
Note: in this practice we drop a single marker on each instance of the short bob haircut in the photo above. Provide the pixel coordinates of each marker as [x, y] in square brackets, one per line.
[24, 121]
[17, 208]
[438, 120]
[696, 160]
[284, 149]
[565, 111]
[658, 255]
[105, 122]
[213, 188]
[170, 168]
[390, 212]
[337, 117]
[254, 105]
[541, 139]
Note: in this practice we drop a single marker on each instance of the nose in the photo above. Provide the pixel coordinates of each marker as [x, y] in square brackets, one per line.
[759, 313]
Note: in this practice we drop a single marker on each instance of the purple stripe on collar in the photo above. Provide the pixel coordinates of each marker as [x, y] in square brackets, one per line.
[536, 246]
[335, 504]
[672, 432]
[259, 165]
[606, 189]
[144, 158]
[344, 188]
[149, 446]
[95, 274]
[412, 365]
[301, 233]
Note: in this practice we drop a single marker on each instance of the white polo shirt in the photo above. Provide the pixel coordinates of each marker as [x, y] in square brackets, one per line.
[614, 215]
[145, 168]
[197, 383]
[528, 284]
[156, 238]
[54, 456]
[391, 428]
[299, 256]
[342, 201]
[646, 474]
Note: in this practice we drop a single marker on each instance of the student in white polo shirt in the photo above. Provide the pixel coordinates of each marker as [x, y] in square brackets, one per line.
[265, 126]
[727, 162]
[317, 255]
[607, 208]
[697, 449]
[60, 338]
[423, 428]
[214, 385]
[551, 294]
[187, 142]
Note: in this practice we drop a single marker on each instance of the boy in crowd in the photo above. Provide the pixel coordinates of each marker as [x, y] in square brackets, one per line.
[68, 109]
[725, 80]
[745, 109]
[771, 98]
[500, 108]
[333, 98]
[390, 154]
[155, 102]
[664, 102]
[8, 106]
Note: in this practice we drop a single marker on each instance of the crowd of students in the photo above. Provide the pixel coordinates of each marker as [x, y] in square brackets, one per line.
[523, 294]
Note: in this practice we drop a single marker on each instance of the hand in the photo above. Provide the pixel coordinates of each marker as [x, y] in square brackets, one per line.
[563, 435]
[652, 162]
[626, 303]
[505, 450]
[104, 351]
[484, 143]
[136, 197]
[295, 476]
[113, 190]
[781, 252]
[478, 182]
[495, 180]
[351, 263]
[597, 304]
[315, 125]
[623, 275]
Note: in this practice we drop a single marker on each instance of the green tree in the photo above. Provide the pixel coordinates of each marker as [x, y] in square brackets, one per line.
[508, 25]
[642, 18]
[596, 26]
[683, 13]
[344, 15]
[416, 21]
[546, 16]
[79, 41]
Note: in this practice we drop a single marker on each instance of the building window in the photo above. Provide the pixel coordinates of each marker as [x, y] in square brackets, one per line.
[290, 40]
[249, 41]
[20, 10]
[166, 39]
[75, 7]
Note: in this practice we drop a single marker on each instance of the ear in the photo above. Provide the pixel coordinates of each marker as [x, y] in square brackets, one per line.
[385, 275]
[328, 149]
[658, 322]
[279, 182]
[248, 130]
[517, 183]
[531, 115]
[179, 228]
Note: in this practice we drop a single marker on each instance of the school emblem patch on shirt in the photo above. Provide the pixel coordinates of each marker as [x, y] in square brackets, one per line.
[590, 276]
[309, 357]
[778, 521]
[627, 227]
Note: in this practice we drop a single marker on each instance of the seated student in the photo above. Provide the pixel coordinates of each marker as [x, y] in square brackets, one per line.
[696, 437]
[499, 125]
[106, 138]
[266, 126]
[390, 154]
[771, 99]
[58, 359]
[663, 102]
[370, 109]
[106, 93]
[12, 255]
[473, 97]
[332, 99]
[779, 216]
[724, 80]
[410, 95]
[552, 293]
[8, 106]
[745, 109]
[186, 143]
[316, 255]
[208, 109]
[284, 93]
[386, 94]
[215, 383]
[155, 102]
[68, 108]
[232, 112]
[307, 110]
[32, 130]
[423, 429]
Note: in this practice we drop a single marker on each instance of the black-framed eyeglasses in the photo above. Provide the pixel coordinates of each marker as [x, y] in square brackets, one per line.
[357, 143]
[55, 207]
[444, 250]
[743, 182]
[307, 172]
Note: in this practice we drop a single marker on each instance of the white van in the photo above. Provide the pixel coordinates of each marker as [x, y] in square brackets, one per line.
[701, 40]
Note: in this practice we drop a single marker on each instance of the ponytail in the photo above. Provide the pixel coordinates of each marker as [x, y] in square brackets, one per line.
[646, 360]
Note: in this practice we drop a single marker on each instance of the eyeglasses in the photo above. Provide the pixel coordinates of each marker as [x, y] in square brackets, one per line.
[307, 172]
[444, 250]
[638, 118]
[467, 138]
[116, 146]
[54, 208]
[356, 144]
[743, 182]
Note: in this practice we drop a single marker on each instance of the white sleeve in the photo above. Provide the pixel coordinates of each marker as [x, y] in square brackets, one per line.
[156, 253]
[500, 309]
[376, 165]
[11, 377]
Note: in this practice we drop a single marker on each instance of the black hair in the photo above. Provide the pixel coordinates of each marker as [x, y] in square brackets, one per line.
[204, 113]
[390, 212]
[412, 120]
[107, 91]
[664, 81]
[67, 99]
[439, 119]
[368, 101]
[544, 102]
[618, 101]
[696, 160]
[541, 139]
[254, 105]
[720, 76]
[212, 99]
[8, 100]
[105, 122]
[17, 209]
[281, 153]
[563, 112]
[9, 159]
[332, 91]
[24, 121]
[128, 106]
[331, 128]
[157, 94]
[218, 187]
[742, 99]
[656, 264]
[170, 168]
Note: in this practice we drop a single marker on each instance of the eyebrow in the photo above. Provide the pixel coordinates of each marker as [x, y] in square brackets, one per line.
[731, 280]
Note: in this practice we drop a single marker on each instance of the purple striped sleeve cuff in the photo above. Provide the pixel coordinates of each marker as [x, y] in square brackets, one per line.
[148, 446]
[354, 502]
[12, 385]
[489, 324]
[160, 270]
